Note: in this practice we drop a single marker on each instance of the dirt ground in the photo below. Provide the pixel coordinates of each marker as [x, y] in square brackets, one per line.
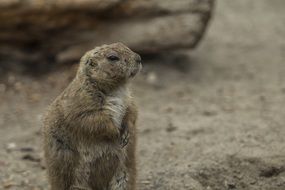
[212, 119]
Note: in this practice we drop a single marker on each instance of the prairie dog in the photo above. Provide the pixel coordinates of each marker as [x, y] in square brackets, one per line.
[89, 130]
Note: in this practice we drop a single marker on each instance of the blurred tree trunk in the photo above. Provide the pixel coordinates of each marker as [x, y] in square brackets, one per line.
[52, 30]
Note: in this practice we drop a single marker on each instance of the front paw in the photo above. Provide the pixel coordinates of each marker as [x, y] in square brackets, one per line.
[124, 133]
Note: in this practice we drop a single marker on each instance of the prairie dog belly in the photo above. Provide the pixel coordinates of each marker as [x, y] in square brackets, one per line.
[97, 165]
[116, 103]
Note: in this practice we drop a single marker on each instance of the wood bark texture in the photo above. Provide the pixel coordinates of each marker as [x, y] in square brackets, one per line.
[61, 31]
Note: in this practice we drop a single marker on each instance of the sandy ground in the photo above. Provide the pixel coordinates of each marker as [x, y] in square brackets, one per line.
[212, 119]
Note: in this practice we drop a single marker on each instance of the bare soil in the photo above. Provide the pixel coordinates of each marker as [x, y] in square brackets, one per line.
[212, 119]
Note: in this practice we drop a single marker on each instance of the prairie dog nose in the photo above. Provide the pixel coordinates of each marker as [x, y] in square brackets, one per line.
[138, 58]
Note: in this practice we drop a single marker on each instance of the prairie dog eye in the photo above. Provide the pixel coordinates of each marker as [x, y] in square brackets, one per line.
[113, 56]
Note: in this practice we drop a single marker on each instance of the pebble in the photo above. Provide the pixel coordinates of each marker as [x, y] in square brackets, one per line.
[170, 128]
[11, 146]
[152, 78]
[31, 158]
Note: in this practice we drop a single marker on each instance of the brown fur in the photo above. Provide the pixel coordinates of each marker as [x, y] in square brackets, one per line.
[89, 130]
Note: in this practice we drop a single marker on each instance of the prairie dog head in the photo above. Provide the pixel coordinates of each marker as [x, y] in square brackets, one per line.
[110, 65]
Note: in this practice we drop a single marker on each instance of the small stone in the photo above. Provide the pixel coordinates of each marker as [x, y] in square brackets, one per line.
[8, 184]
[170, 128]
[11, 146]
[230, 185]
[30, 157]
[253, 181]
[151, 78]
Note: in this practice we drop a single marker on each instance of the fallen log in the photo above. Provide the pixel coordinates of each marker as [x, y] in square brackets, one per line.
[60, 31]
